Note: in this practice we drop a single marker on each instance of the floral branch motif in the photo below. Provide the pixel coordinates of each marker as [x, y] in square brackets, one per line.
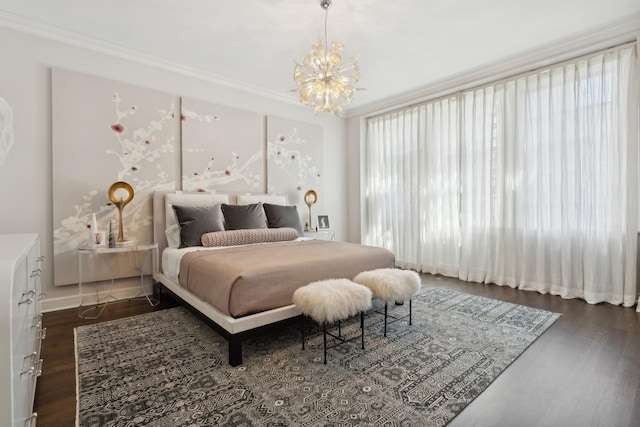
[283, 152]
[210, 177]
[134, 149]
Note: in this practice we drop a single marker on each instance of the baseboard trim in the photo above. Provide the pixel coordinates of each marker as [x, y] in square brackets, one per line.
[64, 303]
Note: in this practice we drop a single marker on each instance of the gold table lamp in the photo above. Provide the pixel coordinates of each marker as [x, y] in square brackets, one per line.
[120, 193]
[310, 198]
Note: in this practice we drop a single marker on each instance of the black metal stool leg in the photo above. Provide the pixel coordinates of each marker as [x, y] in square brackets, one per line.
[324, 333]
[339, 329]
[410, 312]
[302, 329]
[385, 318]
[362, 327]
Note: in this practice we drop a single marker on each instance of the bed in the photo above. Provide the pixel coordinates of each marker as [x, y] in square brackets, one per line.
[243, 289]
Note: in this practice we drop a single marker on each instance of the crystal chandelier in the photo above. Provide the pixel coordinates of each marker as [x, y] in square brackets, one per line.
[324, 83]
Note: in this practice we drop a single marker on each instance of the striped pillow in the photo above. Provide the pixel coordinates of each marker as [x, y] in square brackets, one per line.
[248, 236]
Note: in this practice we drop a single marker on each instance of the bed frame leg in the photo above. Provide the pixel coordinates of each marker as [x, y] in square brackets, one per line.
[156, 291]
[235, 350]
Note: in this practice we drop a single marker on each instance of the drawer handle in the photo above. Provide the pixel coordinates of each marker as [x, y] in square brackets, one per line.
[31, 420]
[36, 272]
[42, 296]
[42, 333]
[37, 321]
[35, 370]
[27, 297]
[31, 356]
[25, 301]
[41, 258]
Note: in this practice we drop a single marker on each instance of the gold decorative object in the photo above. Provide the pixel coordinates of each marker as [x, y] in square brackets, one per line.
[324, 82]
[120, 193]
[310, 198]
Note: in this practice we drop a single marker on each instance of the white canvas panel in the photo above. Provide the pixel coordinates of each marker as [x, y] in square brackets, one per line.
[106, 131]
[295, 163]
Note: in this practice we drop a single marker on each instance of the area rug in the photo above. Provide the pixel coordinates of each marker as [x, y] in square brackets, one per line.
[168, 368]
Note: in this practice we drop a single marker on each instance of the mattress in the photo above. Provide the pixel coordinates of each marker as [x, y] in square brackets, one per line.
[243, 280]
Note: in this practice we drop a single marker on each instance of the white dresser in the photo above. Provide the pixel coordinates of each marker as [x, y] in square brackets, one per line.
[21, 330]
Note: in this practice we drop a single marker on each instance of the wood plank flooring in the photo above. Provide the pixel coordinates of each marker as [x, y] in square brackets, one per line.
[56, 388]
[584, 371]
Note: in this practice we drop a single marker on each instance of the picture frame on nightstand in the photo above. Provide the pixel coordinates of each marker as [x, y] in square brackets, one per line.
[323, 222]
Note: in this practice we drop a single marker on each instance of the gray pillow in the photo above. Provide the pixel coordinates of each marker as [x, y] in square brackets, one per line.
[195, 221]
[239, 217]
[279, 216]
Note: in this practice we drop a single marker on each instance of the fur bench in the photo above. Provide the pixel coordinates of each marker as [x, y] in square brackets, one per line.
[391, 284]
[329, 301]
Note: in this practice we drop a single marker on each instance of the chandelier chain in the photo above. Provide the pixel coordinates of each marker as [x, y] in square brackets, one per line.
[326, 42]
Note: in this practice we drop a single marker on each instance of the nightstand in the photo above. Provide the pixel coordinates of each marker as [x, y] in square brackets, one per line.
[325, 234]
[93, 309]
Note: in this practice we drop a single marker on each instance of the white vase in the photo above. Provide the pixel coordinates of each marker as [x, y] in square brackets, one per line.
[95, 237]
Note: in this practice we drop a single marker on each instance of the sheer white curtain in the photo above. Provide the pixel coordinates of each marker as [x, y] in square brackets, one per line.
[538, 187]
[412, 186]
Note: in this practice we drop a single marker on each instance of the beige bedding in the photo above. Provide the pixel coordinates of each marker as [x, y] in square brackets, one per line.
[249, 279]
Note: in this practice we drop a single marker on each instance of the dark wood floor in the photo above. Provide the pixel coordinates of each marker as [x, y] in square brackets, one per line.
[584, 371]
[56, 388]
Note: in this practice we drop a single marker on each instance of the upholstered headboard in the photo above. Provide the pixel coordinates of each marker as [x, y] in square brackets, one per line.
[248, 199]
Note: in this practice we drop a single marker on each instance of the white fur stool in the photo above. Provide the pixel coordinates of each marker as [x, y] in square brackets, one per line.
[390, 284]
[329, 301]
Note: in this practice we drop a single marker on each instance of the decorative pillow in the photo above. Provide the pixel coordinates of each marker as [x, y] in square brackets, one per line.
[248, 236]
[283, 216]
[189, 199]
[173, 236]
[238, 217]
[195, 221]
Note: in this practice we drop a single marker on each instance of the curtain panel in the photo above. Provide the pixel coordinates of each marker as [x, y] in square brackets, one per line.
[529, 182]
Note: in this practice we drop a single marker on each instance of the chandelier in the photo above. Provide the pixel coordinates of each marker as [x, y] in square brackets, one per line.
[324, 83]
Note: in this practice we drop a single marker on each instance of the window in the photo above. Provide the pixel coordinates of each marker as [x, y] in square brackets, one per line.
[530, 181]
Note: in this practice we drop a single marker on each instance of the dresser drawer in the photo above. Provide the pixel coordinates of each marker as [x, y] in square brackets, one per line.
[20, 364]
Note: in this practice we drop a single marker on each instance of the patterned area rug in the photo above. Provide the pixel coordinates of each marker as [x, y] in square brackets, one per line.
[167, 368]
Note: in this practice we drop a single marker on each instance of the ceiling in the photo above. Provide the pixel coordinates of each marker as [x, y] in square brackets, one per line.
[402, 45]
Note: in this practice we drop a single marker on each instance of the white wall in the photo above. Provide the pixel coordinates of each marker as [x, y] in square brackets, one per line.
[355, 147]
[25, 177]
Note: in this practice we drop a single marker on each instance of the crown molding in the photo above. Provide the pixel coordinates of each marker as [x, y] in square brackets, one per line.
[601, 37]
[58, 34]
[604, 36]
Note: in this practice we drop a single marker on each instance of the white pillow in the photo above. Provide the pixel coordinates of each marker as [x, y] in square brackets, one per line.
[251, 199]
[173, 236]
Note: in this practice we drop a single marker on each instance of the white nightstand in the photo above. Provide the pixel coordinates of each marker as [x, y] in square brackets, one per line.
[325, 234]
[94, 308]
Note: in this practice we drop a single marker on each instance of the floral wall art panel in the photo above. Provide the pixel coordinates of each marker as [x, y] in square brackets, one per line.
[106, 131]
[222, 148]
[295, 163]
